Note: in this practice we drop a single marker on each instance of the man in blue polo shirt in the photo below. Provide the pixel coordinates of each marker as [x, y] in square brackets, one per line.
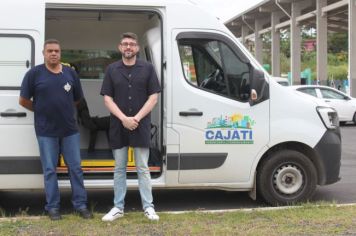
[51, 90]
[130, 89]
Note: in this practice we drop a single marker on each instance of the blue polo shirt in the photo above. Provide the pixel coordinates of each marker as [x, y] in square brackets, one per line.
[53, 98]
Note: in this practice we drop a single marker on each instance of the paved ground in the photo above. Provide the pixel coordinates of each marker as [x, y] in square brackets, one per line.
[345, 190]
[178, 200]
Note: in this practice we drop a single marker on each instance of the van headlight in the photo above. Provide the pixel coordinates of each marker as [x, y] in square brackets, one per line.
[329, 117]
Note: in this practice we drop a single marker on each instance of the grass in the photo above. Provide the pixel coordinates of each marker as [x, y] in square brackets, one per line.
[308, 219]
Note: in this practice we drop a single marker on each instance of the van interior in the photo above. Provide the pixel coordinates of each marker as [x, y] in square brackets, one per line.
[89, 39]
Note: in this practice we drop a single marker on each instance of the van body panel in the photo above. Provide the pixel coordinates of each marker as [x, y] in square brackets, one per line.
[21, 182]
[195, 134]
[293, 122]
[219, 115]
[20, 165]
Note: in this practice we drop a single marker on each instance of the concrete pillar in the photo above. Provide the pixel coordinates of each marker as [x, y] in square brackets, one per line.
[321, 43]
[352, 47]
[295, 41]
[276, 44]
[258, 41]
[244, 33]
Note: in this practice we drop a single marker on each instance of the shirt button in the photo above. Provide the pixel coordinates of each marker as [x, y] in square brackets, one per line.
[129, 97]
[129, 75]
[130, 86]
[130, 110]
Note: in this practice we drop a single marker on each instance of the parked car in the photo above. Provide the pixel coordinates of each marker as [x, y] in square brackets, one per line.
[281, 81]
[341, 102]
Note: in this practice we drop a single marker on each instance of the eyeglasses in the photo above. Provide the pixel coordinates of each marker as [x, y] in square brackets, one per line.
[129, 44]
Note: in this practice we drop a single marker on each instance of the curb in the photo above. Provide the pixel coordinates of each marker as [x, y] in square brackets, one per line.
[198, 211]
[255, 209]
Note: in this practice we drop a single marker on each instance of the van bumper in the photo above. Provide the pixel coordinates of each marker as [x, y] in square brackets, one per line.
[328, 150]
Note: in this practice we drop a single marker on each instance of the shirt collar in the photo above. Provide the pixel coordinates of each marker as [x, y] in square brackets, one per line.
[138, 63]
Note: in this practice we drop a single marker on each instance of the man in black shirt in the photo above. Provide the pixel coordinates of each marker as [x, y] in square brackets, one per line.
[130, 89]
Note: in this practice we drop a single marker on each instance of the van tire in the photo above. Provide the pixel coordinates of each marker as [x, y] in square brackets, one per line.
[354, 118]
[286, 177]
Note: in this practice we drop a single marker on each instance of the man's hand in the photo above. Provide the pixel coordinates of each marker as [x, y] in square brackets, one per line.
[130, 123]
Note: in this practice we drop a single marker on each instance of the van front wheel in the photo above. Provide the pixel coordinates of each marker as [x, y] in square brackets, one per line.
[286, 177]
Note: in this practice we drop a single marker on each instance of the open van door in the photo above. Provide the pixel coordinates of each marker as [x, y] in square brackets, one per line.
[218, 125]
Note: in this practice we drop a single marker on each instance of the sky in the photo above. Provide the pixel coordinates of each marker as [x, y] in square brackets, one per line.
[226, 9]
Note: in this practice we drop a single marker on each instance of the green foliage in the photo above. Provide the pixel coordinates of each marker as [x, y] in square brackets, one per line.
[337, 72]
[337, 59]
[285, 63]
[285, 44]
[337, 54]
[337, 42]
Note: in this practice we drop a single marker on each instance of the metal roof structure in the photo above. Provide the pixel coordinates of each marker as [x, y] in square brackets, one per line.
[272, 16]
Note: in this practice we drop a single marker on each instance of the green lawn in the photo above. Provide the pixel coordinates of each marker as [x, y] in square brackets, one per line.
[305, 220]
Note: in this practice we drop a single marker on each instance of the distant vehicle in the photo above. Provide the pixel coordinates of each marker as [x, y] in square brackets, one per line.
[281, 81]
[341, 102]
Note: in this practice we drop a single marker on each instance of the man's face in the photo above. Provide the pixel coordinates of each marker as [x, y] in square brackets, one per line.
[128, 48]
[52, 54]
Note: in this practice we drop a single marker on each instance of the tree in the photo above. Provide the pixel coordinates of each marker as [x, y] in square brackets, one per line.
[338, 42]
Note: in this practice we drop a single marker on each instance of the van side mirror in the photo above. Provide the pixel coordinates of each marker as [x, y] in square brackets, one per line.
[259, 87]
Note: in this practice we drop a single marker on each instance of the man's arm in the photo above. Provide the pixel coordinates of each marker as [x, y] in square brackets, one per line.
[128, 122]
[26, 103]
[147, 107]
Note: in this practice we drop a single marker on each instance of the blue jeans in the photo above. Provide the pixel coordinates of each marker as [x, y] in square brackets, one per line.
[50, 148]
[143, 172]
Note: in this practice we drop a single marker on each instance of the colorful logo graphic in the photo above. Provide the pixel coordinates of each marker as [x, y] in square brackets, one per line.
[235, 129]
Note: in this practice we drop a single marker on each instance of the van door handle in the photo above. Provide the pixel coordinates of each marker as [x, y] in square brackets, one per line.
[190, 113]
[13, 114]
[327, 100]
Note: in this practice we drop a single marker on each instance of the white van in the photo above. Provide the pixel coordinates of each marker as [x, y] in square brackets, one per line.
[221, 121]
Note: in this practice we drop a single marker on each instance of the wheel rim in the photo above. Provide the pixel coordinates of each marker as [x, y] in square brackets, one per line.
[288, 179]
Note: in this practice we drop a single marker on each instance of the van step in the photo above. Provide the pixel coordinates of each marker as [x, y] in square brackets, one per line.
[99, 158]
[129, 169]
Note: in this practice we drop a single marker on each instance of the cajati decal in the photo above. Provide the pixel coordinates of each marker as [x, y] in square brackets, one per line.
[234, 129]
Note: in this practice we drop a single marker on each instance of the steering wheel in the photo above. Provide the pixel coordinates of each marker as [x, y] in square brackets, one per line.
[211, 79]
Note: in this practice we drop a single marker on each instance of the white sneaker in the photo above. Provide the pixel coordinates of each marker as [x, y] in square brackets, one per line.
[151, 214]
[113, 214]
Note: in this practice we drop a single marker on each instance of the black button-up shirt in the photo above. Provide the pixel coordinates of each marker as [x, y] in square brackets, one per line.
[130, 89]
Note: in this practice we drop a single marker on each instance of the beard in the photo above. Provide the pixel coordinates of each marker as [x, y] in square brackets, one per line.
[129, 54]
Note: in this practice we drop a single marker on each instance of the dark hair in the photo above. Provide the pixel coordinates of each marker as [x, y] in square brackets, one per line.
[50, 41]
[129, 35]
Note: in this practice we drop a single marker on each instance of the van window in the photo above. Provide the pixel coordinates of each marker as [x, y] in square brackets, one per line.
[211, 65]
[16, 58]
